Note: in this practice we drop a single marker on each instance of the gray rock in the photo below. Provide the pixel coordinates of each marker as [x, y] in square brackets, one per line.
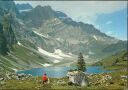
[78, 78]
[123, 76]
[1, 79]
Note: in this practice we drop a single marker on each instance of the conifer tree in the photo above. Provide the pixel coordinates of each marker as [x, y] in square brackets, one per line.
[81, 63]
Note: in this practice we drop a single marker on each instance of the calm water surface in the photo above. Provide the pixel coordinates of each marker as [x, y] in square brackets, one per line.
[58, 72]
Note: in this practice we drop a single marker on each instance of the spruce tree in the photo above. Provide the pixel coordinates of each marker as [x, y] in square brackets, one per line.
[81, 63]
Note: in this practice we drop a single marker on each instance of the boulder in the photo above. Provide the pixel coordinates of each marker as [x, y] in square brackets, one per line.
[77, 78]
[1, 79]
[123, 76]
[23, 76]
[9, 76]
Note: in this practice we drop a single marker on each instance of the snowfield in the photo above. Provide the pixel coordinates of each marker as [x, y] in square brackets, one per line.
[57, 55]
[70, 54]
[60, 53]
[56, 61]
[95, 37]
[26, 10]
[40, 34]
[49, 54]
[19, 43]
[46, 64]
[14, 69]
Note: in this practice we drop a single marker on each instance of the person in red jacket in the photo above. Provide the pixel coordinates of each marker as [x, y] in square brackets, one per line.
[45, 78]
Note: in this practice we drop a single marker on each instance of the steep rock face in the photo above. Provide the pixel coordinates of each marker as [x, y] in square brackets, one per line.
[35, 17]
[9, 6]
[1, 14]
[8, 32]
[72, 38]
[7, 36]
[3, 42]
[21, 54]
[46, 37]
[58, 31]
[42, 27]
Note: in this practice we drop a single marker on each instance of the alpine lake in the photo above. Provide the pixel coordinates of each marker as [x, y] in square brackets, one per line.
[58, 72]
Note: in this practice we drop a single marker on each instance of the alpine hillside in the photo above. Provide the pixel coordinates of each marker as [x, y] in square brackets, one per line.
[41, 36]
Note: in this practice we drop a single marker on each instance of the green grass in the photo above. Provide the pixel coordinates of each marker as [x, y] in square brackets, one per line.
[111, 64]
[26, 56]
[22, 58]
[36, 83]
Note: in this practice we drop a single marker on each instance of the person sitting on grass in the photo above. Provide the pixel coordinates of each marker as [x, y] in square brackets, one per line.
[45, 79]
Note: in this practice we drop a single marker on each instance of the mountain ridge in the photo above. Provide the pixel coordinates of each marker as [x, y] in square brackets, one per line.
[64, 31]
[52, 33]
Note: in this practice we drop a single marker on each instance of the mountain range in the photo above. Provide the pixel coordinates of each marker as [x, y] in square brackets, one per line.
[41, 37]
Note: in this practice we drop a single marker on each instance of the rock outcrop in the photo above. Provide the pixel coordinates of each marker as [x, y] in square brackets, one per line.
[7, 36]
[8, 31]
[77, 78]
[3, 42]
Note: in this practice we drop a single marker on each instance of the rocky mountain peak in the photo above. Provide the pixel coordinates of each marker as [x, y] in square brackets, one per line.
[9, 6]
[23, 6]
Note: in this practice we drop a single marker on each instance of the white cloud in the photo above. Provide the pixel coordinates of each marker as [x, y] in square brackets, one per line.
[110, 33]
[108, 22]
[85, 11]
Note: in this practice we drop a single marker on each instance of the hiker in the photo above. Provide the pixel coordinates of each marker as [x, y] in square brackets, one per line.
[45, 79]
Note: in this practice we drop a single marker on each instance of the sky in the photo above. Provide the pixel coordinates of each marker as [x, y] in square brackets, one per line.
[109, 17]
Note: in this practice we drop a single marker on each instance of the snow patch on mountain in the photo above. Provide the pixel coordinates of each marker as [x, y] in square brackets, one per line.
[70, 54]
[46, 64]
[90, 52]
[56, 61]
[95, 37]
[57, 56]
[60, 53]
[14, 69]
[19, 43]
[49, 54]
[40, 34]
[59, 39]
[26, 10]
